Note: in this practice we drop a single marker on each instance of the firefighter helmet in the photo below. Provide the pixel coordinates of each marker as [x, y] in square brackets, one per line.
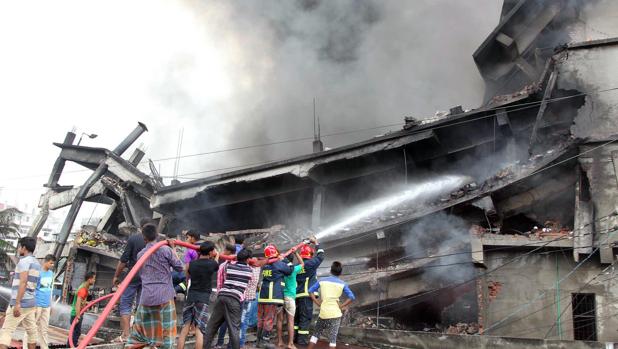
[270, 251]
[306, 251]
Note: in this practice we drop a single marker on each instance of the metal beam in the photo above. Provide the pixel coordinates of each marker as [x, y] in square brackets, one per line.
[54, 177]
[52, 182]
[546, 96]
[75, 206]
[130, 139]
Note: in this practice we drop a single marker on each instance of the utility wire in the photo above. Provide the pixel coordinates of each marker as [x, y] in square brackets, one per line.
[429, 266]
[555, 302]
[460, 283]
[509, 108]
[536, 328]
[515, 107]
[524, 306]
[499, 248]
[565, 308]
[457, 284]
[551, 327]
[534, 173]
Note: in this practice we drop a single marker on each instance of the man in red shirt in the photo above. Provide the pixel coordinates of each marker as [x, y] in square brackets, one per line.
[79, 301]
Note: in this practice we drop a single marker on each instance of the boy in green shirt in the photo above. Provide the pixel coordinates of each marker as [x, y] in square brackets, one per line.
[289, 302]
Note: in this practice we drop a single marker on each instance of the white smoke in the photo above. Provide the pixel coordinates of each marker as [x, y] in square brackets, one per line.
[444, 235]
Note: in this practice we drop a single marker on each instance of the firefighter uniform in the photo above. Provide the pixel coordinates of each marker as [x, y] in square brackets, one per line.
[304, 306]
[271, 289]
[270, 298]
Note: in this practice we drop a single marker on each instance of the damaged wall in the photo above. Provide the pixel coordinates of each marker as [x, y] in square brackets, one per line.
[535, 274]
[592, 70]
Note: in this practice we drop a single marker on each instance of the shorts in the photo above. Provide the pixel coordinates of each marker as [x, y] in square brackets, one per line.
[133, 291]
[195, 313]
[289, 305]
[330, 328]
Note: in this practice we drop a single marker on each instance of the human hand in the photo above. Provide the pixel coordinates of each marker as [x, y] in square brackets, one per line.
[17, 310]
[115, 281]
[171, 243]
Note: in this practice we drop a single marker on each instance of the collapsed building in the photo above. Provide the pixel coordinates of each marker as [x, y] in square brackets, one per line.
[499, 220]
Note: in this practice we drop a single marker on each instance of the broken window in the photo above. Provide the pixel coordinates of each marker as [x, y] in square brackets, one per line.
[584, 316]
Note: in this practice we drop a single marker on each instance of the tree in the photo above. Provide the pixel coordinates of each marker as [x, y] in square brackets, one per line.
[8, 229]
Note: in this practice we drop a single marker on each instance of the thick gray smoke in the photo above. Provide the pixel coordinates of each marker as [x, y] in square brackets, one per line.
[441, 234]
[367, 63]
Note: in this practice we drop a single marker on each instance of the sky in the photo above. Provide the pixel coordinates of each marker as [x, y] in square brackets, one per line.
[228, 73]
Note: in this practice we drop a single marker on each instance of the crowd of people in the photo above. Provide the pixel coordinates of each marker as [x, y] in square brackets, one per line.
[279, 288]
[222, 294]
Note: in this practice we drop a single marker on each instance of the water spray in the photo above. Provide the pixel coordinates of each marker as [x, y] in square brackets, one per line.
[419, 192]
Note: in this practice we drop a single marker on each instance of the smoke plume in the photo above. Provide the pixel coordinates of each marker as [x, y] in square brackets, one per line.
[441, 234]
[367, 63]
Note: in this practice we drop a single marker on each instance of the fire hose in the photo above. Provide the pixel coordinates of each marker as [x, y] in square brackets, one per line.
[127, 280]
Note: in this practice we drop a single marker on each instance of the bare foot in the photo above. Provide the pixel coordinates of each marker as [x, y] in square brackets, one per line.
[291, 346]
[280, 344]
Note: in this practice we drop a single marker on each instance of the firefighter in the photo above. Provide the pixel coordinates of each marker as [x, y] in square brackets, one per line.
[305, 279]
[270, 300]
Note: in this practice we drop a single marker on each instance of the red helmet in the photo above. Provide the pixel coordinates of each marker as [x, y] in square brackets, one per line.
[306, 251]
[271, 251]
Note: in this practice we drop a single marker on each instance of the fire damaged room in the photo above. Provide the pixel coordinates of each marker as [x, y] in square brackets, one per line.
[483, 227]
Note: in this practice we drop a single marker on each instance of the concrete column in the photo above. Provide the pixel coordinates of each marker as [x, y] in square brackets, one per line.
[316, 211]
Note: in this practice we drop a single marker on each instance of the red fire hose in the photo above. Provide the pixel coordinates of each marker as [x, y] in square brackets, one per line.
[123, 286]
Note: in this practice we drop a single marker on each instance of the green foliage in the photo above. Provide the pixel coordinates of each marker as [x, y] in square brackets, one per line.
[8, 228]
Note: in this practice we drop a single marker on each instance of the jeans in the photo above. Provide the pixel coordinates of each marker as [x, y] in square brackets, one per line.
[253, 320]
[77, 332]
[130, 295]
[247, 309]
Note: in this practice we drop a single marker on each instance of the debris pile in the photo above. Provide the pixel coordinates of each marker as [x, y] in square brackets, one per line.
[550, 229]
[370, 322]
[463, 328]
[89, 236]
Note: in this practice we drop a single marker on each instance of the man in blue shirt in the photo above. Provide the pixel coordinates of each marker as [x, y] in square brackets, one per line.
[21, 310]
[43, 297]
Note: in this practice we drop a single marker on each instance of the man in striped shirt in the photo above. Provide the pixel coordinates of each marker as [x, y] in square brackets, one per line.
[228, 305]
[22, 305]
